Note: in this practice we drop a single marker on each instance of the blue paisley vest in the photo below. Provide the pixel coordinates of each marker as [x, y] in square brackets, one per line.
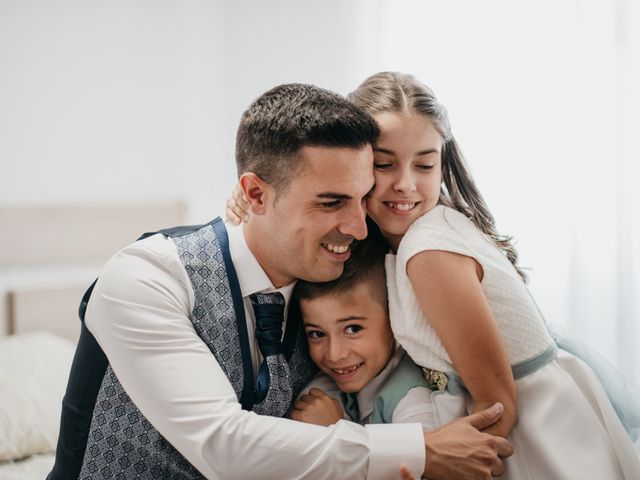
[103, 435]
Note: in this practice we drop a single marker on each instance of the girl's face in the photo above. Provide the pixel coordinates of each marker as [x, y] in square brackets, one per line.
[407, 170]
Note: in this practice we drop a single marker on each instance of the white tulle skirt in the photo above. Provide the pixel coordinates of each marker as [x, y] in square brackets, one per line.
[567, 427]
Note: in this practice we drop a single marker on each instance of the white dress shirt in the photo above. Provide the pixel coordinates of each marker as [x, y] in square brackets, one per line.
[140, 315]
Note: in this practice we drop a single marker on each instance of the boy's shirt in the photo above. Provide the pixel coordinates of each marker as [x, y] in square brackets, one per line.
[416, 406]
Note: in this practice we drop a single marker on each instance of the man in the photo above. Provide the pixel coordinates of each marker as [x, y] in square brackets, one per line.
[182, 339]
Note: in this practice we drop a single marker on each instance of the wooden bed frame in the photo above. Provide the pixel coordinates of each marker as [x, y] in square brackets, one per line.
[56, 238]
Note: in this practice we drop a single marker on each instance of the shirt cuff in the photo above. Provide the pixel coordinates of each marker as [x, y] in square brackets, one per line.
[392, 445]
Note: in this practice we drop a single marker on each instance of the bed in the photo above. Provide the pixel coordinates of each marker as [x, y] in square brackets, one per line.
[46, 280]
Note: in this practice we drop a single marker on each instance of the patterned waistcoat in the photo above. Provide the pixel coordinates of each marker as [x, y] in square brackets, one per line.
[104, 435]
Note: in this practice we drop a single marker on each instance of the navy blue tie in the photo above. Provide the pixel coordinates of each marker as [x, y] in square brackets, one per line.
[269, 311]
[350, 403]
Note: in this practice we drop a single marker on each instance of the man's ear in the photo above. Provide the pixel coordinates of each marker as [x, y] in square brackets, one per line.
[256, 191]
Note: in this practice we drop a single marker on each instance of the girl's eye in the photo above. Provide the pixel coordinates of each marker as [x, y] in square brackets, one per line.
[351, 329]
[424, 167]
[368, 195]
[314, 334]
[382, 165]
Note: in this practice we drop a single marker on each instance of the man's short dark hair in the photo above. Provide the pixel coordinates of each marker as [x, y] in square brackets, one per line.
[366, 265]
[289, 117]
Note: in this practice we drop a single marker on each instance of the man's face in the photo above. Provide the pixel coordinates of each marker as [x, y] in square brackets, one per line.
[310, 226]
[349, 336]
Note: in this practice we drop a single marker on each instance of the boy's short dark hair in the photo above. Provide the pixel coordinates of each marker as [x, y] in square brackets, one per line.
[366, 264]
[289, 117]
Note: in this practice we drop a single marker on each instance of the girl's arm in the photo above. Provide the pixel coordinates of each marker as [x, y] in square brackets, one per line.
[447, 286]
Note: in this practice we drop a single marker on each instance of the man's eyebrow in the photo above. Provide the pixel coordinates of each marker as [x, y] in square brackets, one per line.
[334, 195]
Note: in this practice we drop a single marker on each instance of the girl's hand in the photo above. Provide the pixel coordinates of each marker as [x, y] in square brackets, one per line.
[405, 473]
[237, 206]
[318, 408]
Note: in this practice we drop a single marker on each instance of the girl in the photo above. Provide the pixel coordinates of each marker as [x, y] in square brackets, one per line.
[459, 305]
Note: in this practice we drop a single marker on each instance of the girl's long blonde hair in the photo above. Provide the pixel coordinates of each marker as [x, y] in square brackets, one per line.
[398, 92]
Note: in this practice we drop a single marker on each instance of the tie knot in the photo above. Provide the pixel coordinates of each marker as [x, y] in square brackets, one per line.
[274, 298]
[269, 310]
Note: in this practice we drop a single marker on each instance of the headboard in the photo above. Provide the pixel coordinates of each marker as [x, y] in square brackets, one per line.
[50, 254]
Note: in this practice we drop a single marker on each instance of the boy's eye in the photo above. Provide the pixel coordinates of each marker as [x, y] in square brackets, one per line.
[315, 334]
[351, 329]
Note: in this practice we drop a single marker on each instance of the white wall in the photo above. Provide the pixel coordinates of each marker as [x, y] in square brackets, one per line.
[138, 101]
[119, 100]
[108, 101]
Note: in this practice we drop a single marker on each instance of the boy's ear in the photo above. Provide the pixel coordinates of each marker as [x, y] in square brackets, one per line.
[256, 191]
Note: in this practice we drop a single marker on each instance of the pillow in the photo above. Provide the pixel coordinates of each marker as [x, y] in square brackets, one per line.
[34, 368]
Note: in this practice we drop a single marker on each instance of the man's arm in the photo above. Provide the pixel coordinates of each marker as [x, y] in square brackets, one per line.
[139, 314]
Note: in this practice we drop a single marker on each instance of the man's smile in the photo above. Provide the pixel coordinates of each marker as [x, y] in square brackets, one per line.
[336, 248]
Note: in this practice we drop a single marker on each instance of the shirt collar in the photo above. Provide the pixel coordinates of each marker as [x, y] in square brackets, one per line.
[251, 277]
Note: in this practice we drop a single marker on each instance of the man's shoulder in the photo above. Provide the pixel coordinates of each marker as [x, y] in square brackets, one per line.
[152, 259]
[152, 247]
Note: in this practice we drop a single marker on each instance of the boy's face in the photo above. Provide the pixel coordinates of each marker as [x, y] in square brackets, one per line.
[349, 336]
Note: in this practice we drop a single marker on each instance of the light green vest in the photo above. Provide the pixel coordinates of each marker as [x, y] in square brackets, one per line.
[405, 376]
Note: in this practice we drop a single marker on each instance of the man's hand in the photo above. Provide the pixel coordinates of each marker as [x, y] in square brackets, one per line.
[318, 408]
[459, 450]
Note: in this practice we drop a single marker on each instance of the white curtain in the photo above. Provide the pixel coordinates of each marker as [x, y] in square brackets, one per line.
[544, 99]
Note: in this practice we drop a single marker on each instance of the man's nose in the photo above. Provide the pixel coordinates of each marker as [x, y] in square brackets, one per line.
[354, 224]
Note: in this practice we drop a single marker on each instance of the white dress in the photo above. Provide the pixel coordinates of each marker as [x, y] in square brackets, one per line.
[567, 428]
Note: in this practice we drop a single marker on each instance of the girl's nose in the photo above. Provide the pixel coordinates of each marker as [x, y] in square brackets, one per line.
[405, 183]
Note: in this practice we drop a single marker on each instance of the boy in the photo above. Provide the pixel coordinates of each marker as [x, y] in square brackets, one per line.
[349, 337]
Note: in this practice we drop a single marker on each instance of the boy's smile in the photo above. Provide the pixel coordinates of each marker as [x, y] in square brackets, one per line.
[349, 335]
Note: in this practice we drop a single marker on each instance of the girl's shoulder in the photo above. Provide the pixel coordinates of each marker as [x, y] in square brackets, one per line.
[439, 224]
[443, 218]
[441, 228]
